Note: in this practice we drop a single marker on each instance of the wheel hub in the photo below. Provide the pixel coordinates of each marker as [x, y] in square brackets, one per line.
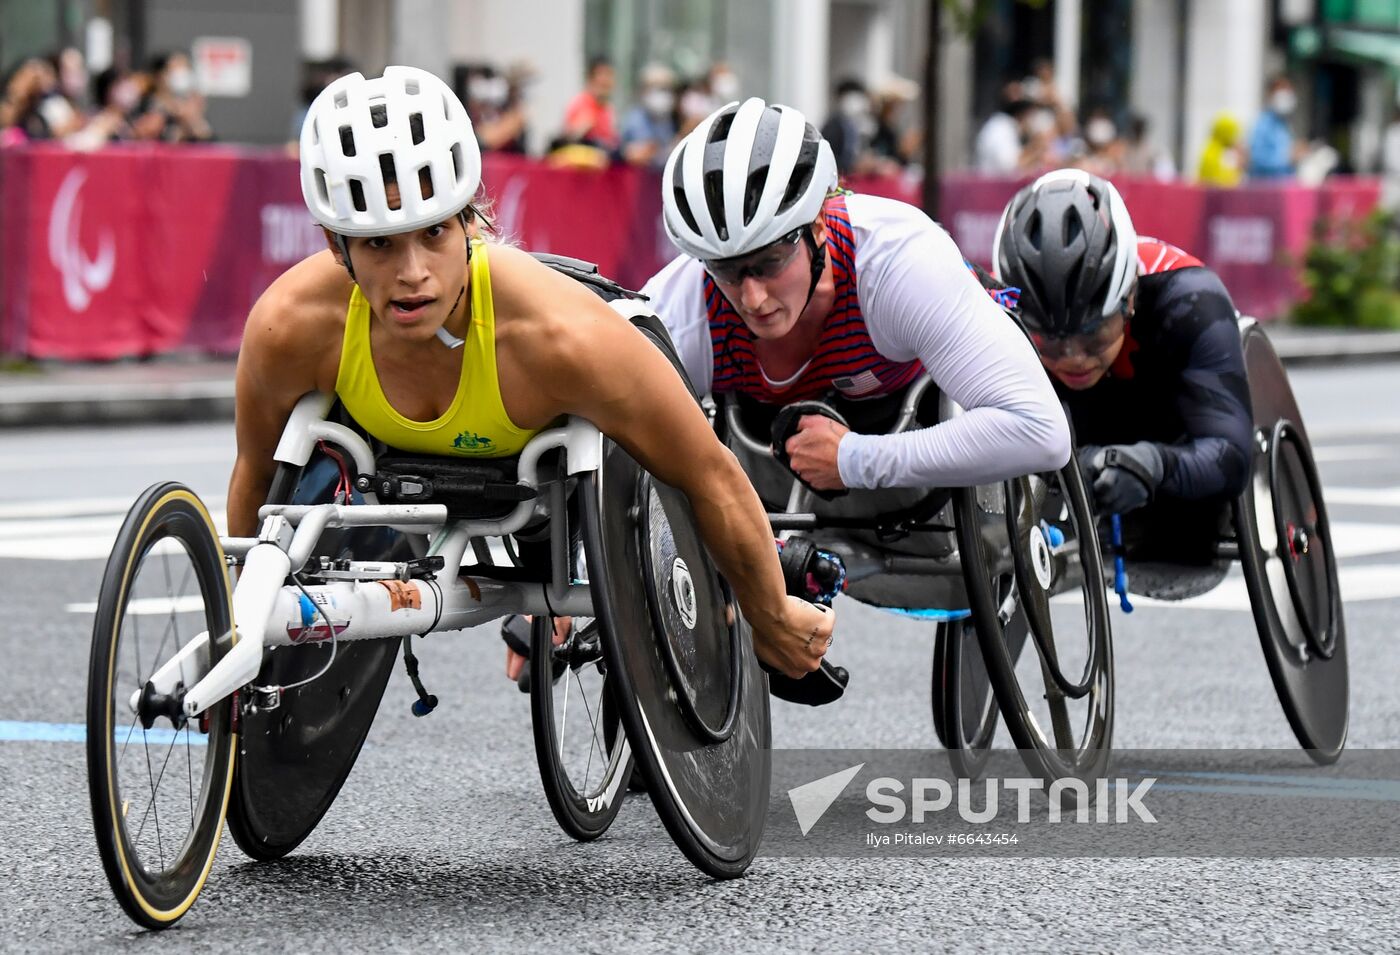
[683, 593]
[1040, 558]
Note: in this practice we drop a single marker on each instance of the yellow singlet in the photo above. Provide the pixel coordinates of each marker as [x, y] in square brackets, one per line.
[476, 425]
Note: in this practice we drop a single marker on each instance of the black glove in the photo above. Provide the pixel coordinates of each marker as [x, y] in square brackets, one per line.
[1123, 477]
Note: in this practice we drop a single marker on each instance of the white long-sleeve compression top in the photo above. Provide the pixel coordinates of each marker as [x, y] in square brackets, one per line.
[919, 300]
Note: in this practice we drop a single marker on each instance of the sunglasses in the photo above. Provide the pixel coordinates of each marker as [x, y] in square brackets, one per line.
[1092, 345]
[765, 263]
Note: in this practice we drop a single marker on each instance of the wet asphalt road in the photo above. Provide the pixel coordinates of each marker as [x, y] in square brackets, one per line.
[442, 840]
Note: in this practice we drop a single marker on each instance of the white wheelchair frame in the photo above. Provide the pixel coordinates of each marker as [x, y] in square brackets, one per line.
[268, 613]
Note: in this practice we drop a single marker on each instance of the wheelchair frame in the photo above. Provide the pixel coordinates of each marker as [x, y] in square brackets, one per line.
[268, 613]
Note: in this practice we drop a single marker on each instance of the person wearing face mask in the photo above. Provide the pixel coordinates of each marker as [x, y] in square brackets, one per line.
[173, 96]
[649, 128]
[1272, 151]
[1141, 342]
[117, 93]
[1103, 149]
[589, 116]
[851, 127]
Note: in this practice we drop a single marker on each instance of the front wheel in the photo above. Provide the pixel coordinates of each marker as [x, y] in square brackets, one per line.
[583, 755]
[159, 782]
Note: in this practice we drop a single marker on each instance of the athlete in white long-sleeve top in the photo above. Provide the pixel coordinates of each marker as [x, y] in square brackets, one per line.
[790, 290]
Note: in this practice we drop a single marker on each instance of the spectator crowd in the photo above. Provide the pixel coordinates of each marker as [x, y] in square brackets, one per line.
[53, 98]
[873, 129]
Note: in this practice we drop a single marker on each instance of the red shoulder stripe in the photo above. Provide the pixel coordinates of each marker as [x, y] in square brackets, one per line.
[1156, 257]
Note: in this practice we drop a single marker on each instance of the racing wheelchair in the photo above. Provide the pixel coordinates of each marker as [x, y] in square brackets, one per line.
[251, 702]
[981, 562]
[1277, 530]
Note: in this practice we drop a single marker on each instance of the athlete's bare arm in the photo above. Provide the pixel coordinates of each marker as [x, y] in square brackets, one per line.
[291, 345]
[561, 350]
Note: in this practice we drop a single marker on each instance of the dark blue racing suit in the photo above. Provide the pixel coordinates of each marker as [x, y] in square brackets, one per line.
[1179, 382]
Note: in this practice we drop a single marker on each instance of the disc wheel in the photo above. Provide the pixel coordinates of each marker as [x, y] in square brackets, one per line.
[583, 755]
[1289, 565]
[964, 707]
[293, 760]
[1021, 543]
[711, 794]
[159, 783]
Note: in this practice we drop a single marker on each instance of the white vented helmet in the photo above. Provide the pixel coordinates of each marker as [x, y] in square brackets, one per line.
[401, 124]
[749, 174]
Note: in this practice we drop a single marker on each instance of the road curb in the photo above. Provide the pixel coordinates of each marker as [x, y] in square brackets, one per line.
[48, 404]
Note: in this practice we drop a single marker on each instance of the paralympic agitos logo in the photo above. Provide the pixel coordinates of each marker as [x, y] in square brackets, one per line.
[82, 276]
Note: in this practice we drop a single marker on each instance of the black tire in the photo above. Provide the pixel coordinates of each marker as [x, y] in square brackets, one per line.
[294, 760]
[156, 881]
[585, 800]
[1292, 582]
[964, 707]
[712, 796]
[1078, 744]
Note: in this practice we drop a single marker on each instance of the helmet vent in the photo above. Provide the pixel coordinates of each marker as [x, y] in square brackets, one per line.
[322, 191]
[720, 132]
[347, 140]
[390, 174]
[682, 204]
[357, 196]
[457, 161]
[342, 100]
[1033, 230]
[753, 191]
[714, 201]
[415, 127]
[1074, 228]
[410, 86]
[797, 185]
[425, 182]
[379, 115]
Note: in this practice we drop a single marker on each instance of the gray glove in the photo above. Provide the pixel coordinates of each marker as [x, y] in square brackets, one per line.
[1122, 477]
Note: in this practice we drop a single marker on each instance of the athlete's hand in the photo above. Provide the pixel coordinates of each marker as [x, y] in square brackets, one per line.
[1123, 477]
[812, 451]
[796, 644]
[515, 663]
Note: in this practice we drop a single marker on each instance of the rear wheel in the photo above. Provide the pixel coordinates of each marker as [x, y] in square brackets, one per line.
[689, 692]
[159, 782]
[1021, 543]
[1289, 565]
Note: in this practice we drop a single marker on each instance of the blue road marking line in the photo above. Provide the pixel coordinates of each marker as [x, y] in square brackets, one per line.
[17, 731]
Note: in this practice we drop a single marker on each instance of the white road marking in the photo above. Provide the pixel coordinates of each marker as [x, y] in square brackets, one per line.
[134, 458]
[1355, 452]
[1367, 496]
[150, 606]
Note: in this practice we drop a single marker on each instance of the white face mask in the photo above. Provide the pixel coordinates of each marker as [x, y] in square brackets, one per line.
[854, 105]
[725, 86]
[695, 105]
[489, 90]
[125, 96]
[658, 102]
[1283, 102]
[1100, 132]
[1042, 122]
[180, 82]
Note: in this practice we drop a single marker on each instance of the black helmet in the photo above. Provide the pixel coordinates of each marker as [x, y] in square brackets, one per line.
[1067, 242]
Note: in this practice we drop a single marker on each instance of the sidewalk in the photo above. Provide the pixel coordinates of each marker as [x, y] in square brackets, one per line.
[185, 389]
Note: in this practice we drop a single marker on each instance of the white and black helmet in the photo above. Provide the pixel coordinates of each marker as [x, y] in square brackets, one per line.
[748, 175]
[1067, 242]
[406, 126]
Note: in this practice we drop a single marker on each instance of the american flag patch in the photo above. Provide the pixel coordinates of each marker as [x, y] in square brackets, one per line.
[857, 385]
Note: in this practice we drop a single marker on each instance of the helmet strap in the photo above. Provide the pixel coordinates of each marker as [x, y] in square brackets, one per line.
[344, 248]
[818, 253]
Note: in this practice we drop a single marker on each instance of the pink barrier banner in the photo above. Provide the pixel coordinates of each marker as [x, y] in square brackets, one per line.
[149, 249]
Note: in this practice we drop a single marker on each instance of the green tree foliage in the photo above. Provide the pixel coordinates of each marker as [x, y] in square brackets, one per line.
[968, 15]
[1351, 272]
